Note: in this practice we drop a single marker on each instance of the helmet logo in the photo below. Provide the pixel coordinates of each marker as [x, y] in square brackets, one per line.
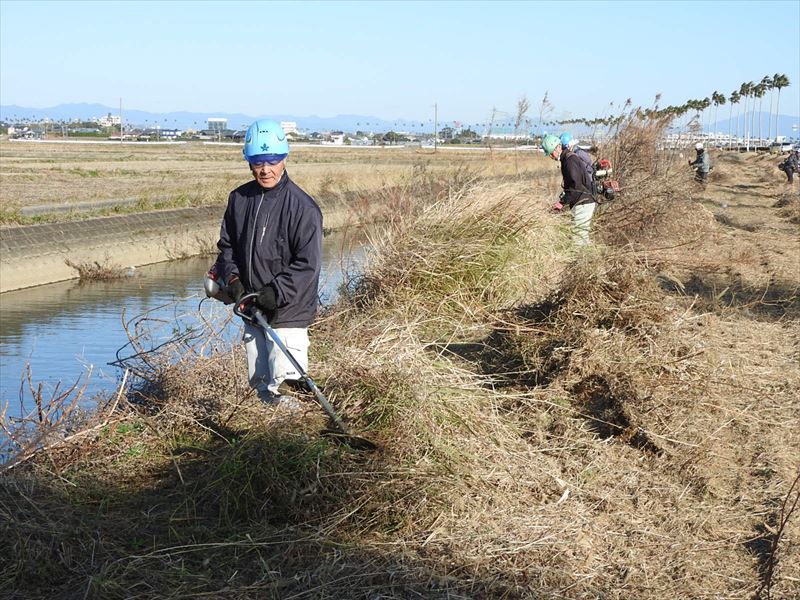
[264, 147]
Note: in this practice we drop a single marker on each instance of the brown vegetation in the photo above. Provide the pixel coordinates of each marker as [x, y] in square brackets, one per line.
[88, 178]
[89, 270]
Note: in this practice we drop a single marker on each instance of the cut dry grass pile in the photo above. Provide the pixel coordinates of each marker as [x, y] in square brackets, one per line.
[551, 425]
[789, 203]
[89, 270]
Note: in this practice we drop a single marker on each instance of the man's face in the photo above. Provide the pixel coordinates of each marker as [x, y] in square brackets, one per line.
[268, 175]
[556, 154]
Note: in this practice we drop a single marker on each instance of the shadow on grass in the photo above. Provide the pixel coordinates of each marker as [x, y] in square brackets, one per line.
[267, 514]
[512, 359]
[772, 303]
[729, 222]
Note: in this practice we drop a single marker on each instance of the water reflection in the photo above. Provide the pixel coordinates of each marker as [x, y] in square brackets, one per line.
[62, 329]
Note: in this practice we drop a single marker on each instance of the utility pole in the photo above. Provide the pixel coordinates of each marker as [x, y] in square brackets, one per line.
[121, 129]
[435, 125]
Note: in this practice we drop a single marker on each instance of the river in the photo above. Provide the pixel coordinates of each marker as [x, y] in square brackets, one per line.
[62, 330]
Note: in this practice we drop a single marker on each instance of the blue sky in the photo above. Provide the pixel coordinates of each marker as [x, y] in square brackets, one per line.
[391, 59]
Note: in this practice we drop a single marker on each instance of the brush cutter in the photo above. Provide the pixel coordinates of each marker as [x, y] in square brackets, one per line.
[606, 187]
[247, 309]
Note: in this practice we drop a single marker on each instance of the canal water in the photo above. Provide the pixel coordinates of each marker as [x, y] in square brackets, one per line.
[58, 332]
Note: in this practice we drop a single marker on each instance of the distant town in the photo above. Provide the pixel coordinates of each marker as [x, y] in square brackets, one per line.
[217, 130]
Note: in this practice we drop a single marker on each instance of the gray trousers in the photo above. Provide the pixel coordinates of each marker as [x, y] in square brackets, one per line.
[267, 365]
[581, 221]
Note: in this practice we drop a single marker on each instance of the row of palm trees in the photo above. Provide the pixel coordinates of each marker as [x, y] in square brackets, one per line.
[748, 95]
[752, 92]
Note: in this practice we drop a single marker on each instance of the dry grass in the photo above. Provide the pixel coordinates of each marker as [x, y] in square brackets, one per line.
[89, 270]
[789, 203]
[142, 177]
[507, 245]
[552, 424]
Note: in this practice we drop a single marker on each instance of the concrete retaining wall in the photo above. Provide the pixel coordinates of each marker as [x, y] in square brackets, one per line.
[35, 254]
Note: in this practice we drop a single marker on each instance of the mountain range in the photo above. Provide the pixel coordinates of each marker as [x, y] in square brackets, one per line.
[195, 120]
[787, 125]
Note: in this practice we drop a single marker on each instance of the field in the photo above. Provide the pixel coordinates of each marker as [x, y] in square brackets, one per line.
[107, 178]
[621, 422]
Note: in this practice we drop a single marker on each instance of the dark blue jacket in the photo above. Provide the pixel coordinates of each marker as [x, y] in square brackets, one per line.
[274, 237]
[577, 181]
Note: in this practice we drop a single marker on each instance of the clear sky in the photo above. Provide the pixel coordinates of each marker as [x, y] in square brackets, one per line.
[391, 59]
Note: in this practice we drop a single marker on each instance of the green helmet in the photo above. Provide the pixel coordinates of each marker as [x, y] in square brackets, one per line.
[550, 143]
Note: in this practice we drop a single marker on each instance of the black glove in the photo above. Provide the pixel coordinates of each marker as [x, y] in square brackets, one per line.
[267, 298]
[235, 288]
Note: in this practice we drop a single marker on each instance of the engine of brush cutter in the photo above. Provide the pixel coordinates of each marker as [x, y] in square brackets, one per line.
[606, 187]
[215, 287]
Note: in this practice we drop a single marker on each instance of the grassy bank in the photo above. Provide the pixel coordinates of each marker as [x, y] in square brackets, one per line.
[617, 423]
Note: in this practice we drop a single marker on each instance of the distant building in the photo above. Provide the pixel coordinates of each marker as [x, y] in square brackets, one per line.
[334, 138]
[158, 133]
[289, 127]
[171, 133]
[108, 121]
[217, 124]
[218, 135]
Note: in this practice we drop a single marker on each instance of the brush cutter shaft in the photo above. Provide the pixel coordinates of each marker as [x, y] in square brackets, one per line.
[323, 401]
[255, 315]
[247, 309]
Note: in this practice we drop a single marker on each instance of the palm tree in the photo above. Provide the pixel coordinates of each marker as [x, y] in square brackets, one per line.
[751, 92]
[697, 107]
[760, 90]
[684, 109]
[770, 86]
[780, 82]
[765, 85]
[704, 104]
[735, 97]
[744, 92]
[717, 99]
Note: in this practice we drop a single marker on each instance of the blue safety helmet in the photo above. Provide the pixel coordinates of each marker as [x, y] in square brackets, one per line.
[265, 141]
[565, 139]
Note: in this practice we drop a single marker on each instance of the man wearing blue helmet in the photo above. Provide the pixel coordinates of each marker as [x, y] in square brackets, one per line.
[271, 242]
[577, 184]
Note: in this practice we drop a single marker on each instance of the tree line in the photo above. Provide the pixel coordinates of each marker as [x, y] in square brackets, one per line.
[748, 94]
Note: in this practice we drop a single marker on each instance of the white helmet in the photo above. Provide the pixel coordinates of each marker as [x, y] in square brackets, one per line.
[698, 146]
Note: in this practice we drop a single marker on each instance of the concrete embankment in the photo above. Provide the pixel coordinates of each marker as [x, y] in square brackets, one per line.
[35, 254]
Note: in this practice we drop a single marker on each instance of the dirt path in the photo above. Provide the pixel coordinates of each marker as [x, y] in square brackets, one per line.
[758, 247]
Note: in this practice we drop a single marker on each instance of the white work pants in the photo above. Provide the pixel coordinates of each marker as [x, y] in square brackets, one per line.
[581, 221]
[267, 365]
